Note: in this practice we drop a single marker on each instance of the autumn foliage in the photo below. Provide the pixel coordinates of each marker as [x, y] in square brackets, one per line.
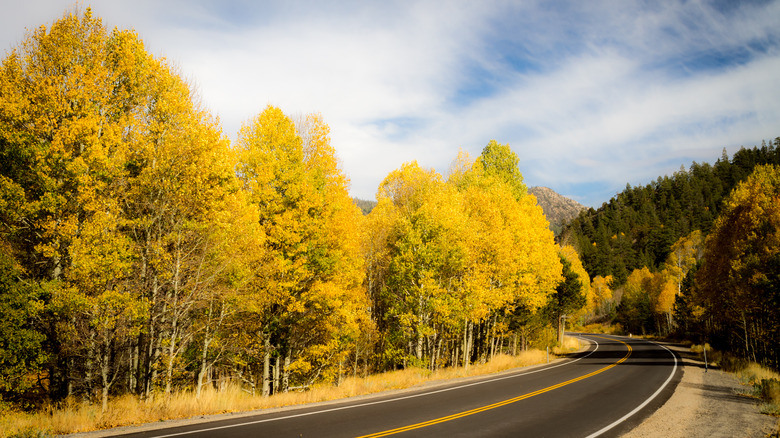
[144, 253]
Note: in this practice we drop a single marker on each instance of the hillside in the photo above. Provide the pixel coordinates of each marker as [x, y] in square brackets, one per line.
[559, 209]
[638, 226]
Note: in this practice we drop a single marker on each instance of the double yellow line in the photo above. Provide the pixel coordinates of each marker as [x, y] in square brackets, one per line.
[501, 403]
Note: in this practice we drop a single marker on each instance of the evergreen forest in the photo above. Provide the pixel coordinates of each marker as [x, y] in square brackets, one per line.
[657, 246]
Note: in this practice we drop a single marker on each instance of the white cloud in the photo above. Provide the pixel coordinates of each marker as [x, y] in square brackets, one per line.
[590, 95]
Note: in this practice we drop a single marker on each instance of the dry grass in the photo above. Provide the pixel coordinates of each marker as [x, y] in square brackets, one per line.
[607, 329]
[754, 372]
[766, 386]
[568, 345]
[764, 383]
[129, 410]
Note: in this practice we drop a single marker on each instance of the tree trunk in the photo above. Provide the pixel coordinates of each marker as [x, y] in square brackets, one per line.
[465, 341]
[438, 353]
[469, 345]
[286, 372]
[747, 336]
[203, 370]
[169, 365]
[277, 375]
[267, 367]
[132, 378]
[105, 369]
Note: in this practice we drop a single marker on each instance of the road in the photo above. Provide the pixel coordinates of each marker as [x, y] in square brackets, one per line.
[604, 391]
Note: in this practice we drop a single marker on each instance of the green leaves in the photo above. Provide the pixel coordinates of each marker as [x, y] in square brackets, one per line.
[21, 343]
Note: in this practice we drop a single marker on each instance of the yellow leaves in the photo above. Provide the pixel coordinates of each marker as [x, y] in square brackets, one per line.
[743, 247]
[308, 266]
[667, 291]
[570, 254]
[112, 311]
[447, 255]
[601, 293]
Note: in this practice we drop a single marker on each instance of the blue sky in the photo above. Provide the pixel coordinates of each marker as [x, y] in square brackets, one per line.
[590, 95]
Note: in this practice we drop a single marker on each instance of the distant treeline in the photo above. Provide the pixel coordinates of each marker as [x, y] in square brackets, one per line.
[637, 227]
[365, 206]
[696, 254]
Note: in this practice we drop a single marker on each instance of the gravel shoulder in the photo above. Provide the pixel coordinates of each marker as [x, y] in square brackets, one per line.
[705, 404]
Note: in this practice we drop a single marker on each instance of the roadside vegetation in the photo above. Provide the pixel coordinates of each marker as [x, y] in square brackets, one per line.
[146, 260]
[149, 265]
[232, 398]
[761, 382]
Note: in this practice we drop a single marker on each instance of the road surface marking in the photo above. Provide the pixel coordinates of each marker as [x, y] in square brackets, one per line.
[638, 408]
[341, 408]
[501, 403]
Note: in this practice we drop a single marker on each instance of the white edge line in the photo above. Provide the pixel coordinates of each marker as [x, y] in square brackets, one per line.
[305, 414]
[646, 402]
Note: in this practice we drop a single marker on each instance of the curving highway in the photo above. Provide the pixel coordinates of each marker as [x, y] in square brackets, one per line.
[604, 391]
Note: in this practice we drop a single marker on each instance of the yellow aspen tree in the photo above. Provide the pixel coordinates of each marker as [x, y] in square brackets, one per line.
[64, 111]
[541, 269]
[338, 309]
[182, 182]
[513, 257]
[602, 294]
[498, 160]
[307, 292]
[272, 169]
[666, 289]
[686, 252]
[737, 285]
[637, 304]
[425, 259]
[489, 287]
[376, 233]
[570, 254]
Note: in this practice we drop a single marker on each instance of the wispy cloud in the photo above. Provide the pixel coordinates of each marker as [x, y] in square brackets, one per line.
[591, 95]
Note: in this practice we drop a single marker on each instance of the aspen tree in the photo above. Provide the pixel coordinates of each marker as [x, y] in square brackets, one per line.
[64, 110]
[122, 176]
[306, 297]
[737, 284]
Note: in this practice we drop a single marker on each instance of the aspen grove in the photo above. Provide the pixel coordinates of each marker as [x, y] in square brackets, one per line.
[143, 252]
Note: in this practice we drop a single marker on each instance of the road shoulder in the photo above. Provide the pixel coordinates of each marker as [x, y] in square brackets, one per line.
[705, 404]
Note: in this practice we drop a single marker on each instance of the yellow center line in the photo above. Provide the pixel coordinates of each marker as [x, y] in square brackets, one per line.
[501, 403]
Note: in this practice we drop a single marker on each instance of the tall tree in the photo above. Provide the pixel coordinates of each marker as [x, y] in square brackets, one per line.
[500, 161]
[738, 282]
[570, 254]
[121, 180]
[65, 109]
[568, 298]
[307, 294]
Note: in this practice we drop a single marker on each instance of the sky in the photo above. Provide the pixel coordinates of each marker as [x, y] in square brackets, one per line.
[591, 96]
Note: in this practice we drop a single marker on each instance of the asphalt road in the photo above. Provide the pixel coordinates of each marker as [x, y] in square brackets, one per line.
[604, 391]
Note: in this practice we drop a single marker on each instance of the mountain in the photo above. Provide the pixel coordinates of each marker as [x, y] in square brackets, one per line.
[559, 209]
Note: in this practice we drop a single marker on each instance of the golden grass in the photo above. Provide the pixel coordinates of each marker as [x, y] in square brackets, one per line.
[568, 345]
[766, 386]
[755, 373]
[607, 329]
[764, 383]
[129, 410]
